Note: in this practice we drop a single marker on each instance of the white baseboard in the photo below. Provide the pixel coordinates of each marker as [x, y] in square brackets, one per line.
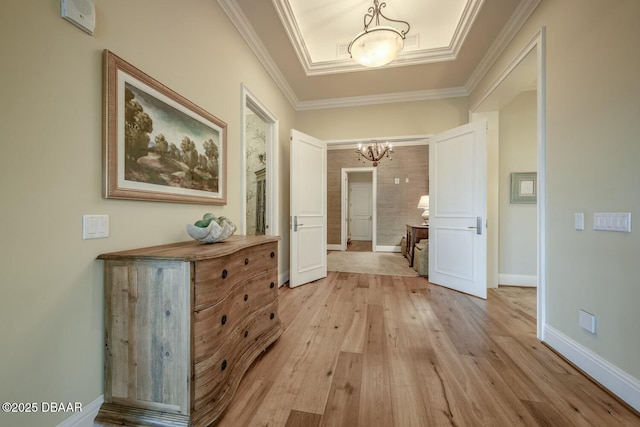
[609, 376]
[334, 247]
[517, 280]
[86, 417]
[387, 248]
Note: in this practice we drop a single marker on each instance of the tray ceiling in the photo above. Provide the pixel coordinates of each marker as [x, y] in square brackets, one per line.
[302, 44]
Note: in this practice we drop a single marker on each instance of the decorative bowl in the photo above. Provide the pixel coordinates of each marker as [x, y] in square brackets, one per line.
[213, 233]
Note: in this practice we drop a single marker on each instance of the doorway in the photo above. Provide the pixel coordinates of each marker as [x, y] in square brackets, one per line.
[358, 209]
[259, 163]
[523, 78]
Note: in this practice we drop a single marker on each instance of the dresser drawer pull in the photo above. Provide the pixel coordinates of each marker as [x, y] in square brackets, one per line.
[246, 261]
[273, 254]
[246, 297]
[246, 334]
[224, 273]
[224, 319]
[271, 316]
[272, 285]
[224, 365]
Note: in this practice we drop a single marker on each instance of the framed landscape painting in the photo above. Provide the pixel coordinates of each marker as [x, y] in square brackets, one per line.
[157, 144]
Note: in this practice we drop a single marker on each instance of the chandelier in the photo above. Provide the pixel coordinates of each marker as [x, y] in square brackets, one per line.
[374, 152]
[377, 45]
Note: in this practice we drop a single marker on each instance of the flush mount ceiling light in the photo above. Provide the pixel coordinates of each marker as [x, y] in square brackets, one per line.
[377, 45]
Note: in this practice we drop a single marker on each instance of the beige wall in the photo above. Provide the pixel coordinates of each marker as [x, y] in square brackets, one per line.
[50, 174]
[385, 120]
[593, 152]
[396, 203]
[51, 284]
[518, 222]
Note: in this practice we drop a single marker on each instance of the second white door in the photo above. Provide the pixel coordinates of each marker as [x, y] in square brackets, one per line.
[360, 210]
[458, 209]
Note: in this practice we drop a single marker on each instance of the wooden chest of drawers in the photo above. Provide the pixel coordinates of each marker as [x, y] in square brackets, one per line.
[183, 323]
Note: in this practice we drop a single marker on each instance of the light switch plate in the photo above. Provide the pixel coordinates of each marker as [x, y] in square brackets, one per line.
[95, 226]
[612, 222]
[579, 221]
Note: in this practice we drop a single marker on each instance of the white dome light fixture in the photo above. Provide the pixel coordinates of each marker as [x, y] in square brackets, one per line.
[377, 45]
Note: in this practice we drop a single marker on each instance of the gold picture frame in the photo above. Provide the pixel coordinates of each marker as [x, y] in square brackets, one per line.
[158, 145]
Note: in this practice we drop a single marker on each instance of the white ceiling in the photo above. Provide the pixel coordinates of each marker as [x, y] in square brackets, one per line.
[321, 32]
[302, 44]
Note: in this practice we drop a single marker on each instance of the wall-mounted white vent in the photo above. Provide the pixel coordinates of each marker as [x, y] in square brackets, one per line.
[81, 13]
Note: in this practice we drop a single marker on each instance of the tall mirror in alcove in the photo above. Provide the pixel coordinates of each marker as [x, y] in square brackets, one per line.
[256, 176]
[260, 164]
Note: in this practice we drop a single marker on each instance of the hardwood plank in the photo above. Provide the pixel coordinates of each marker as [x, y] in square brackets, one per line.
[466, 336]
[247, 402]
[408, 406]
[375, 398]
[319, 369]
[359, 245]
[344, 397]
[545, 414]
[303, 419]
[508, 410]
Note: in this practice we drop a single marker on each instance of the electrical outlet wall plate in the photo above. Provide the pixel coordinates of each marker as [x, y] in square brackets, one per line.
[587, 321]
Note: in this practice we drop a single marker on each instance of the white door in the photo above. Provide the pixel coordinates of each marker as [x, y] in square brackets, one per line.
[308, 231]
[360, 210]
[458, 206]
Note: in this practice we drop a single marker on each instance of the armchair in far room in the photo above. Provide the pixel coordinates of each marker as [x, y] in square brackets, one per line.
[421, 257]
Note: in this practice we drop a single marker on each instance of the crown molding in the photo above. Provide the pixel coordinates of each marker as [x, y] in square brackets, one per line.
[285, 13]
[240, 21]
[357, 101]
[515, 23]
[352, 144]
[517, 20]
[469, 16]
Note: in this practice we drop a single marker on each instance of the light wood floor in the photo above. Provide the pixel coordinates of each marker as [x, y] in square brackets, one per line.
[362, 350]
[383, 351]
[359, 246]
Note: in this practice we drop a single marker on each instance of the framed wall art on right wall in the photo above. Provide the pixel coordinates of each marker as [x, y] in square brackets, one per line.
[524, 187]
